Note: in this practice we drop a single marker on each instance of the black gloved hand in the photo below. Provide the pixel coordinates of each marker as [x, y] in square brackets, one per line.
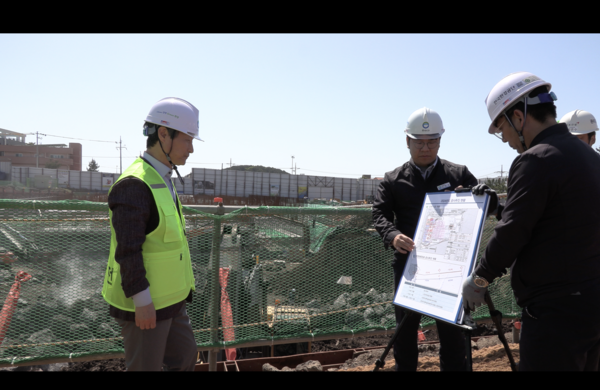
[480, 189]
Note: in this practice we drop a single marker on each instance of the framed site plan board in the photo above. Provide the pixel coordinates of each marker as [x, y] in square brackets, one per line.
[446, 246]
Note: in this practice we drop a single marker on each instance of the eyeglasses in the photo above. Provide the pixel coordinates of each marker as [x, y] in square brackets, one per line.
[499, 133]
[499, 136]
[430, 144]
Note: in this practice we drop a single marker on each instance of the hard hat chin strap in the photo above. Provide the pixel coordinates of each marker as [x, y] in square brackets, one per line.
[520, 133]
[173, 166]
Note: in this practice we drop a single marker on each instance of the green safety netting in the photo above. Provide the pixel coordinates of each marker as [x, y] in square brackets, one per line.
[290, 272]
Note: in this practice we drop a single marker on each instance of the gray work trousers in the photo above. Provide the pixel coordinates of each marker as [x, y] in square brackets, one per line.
[171, 342]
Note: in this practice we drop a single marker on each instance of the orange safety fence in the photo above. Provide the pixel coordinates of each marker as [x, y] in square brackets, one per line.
[226, 314]
[10, 304]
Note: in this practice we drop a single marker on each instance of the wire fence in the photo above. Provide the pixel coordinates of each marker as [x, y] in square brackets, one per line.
[262, 275]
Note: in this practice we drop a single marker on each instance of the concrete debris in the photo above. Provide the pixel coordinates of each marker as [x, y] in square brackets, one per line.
[106, 330]
[372, 294]
[486, 342]
[341, 301]
[365, 358]
[314, 304]
[353, 316]
[79, 328]
[43, 336]
[269, 368]
[309, 366]
[81, 331]
[428, 348]
[89, 316]
[387, 318]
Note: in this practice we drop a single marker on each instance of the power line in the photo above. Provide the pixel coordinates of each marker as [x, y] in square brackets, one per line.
[187, 162]
[110, 156]
[501, 171]
[80, 139]
[486, 175]
[336, 173]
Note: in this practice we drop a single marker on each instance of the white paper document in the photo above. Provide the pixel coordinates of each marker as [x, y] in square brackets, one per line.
[446, 244]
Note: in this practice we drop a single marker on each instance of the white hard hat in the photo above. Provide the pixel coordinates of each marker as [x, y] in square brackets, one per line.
[511, 90]
[176, 114]
[580, 122]
[424, 124]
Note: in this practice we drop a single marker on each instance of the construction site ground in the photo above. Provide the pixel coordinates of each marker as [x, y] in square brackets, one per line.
[488, 353]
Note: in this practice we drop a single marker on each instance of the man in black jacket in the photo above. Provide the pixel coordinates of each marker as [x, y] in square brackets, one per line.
[551, 226]
[396, 211]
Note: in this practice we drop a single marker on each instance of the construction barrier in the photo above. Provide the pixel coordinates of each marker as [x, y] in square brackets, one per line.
[263, 275]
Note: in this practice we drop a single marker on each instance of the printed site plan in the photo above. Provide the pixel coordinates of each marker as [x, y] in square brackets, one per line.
[446, 243]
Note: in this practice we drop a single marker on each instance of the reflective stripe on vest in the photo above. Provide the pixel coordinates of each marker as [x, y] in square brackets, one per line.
[165, 251]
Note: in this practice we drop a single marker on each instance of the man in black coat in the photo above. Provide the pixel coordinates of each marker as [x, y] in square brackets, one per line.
[396, 211]
[549, 234]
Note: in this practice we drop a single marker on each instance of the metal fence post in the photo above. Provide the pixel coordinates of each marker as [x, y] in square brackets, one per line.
[216, 293]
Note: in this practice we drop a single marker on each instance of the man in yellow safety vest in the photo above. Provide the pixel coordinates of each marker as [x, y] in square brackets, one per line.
[149, 275]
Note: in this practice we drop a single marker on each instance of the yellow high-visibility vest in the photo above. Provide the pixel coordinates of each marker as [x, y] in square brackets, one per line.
[165, 252]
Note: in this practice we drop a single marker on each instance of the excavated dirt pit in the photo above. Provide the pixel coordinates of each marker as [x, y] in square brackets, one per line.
[491, 358]
[488, 353]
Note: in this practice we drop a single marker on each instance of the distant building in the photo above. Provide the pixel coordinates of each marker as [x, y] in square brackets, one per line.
[14, 149]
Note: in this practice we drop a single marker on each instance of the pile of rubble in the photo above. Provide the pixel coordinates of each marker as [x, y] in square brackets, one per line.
[369, 309]
[309, 366]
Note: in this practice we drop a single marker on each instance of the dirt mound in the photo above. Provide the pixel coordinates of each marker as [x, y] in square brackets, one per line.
[367, 359]
[97, 365]
[488, 359]
[431, 334]
[488, 354]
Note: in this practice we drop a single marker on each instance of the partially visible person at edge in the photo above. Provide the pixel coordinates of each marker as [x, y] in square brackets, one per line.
[581, 124]
[396, 211]
[149, 275]
[549, 232]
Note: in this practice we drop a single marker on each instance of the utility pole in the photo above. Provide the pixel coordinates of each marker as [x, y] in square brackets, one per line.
[120, 147]
[230, 163]
[292, 169]
[37, 149]
[500, 171]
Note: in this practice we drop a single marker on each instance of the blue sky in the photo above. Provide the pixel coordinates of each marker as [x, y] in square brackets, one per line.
[338, 103]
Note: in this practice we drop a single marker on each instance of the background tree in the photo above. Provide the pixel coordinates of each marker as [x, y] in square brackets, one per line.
[93, 166]
[53, 164]
[256, 168]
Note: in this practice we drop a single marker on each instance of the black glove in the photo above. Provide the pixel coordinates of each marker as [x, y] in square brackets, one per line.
[480, 189]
